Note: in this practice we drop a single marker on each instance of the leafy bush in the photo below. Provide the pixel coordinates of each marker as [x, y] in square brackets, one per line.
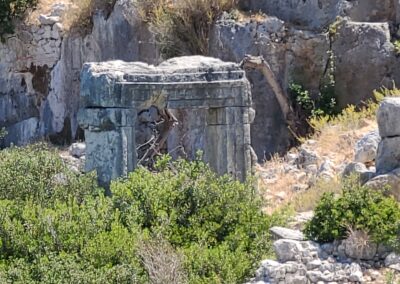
[9, 11]
[214, 221]
[324, 104]
[182, 27]
[359, 208]
[37, 173]
[58, 227]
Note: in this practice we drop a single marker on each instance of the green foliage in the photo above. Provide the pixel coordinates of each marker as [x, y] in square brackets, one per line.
[37, 173]
[352, 117]
[9, 11]
[324, 104]
[58, 227]
[397, 46]
[357, 207]
[215, 221]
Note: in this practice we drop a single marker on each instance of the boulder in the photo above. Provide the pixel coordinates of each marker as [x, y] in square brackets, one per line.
[358, 169]
[367, 147]
[307, 157]
[362, 50]
[287, 250]
[48, 20]
[393, 261]
[77, 149]
[356, 274]
[388, 157]
[359, 248]
[390, 180]
[388, 117]
[285, 233]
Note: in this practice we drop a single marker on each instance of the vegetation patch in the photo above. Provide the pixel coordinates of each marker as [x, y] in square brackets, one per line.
[10, 10]
[360, 208]
[181, 224]
[182, 27]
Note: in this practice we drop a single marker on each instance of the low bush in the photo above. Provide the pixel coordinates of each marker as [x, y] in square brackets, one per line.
[37, 173]
[359, 208]
[324, 104]
[181, 224]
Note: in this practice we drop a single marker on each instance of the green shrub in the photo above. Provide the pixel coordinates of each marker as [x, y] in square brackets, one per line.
[214, 220]
[11, 10]
[38, 173]
[211, 228]
[324, 104]
[360, 208]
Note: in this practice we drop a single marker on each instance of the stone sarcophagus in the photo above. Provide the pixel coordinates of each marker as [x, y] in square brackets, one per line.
[114, 93]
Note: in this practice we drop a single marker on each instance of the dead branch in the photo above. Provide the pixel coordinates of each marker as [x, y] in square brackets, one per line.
[259, 63]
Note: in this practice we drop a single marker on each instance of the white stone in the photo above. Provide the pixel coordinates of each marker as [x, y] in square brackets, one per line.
[287, 250]
[367, 147]
[388, 117]
[388, 156]
[285, 233]
[391, 259]
[77, 149]
[48, 20]
[356, 274]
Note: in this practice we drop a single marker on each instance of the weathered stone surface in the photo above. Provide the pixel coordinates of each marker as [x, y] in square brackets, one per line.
[356, 274]
[319, 14]
[40, 66]
[114, 92]
[388, 157]
[359, 252]
[388, 117]
[77, 150]
[287, 250]
[312, 14]
[390, 180]
[358, 169]
[393, 261]
[362, 50]
[367, 147]
[285, 233]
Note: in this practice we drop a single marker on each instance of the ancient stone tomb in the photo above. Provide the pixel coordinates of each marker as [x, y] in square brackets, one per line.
[114, 93]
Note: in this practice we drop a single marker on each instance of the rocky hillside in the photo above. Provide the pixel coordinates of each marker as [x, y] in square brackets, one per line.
[304, 42]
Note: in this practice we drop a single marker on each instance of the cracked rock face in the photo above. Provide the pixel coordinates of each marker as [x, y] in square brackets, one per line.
[40, 67]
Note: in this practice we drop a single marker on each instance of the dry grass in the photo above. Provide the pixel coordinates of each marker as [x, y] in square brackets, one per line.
[334, 140]
[78, 15]
[182, 27]
[162, 263]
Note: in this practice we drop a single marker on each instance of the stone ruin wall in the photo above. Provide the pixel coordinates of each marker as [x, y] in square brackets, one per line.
[40, 65]
[114, 95]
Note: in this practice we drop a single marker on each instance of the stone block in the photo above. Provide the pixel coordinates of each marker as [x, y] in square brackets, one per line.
[388, 157]
[388, 117]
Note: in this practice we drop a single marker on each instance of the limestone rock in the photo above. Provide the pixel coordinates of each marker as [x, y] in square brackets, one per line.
[285, 233]
[359, 169]
[77, 149]
[388, 157]
[307, 158]
[388, 117]
[287, 250]
[365, 47]
[356, 251]
[356, 274]
[390, 180]
[393, 261]
[48, 20]
[367, 147]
